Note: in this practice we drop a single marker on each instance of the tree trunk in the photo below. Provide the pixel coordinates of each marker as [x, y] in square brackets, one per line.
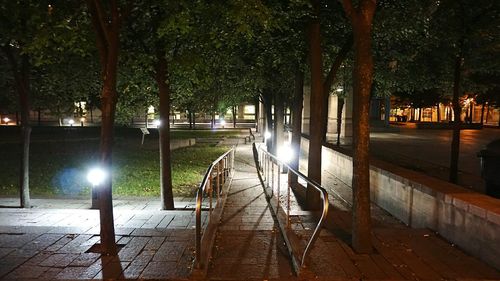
[471, 115]
[267, 98]
[488, 114]
[482, 113]
[20, 72]
[161, 77]
[387, 110]
[330, 79]
[106, 21]
[455, 142]
[279, 127]
[190, 119]
[234, 116]
[340, 108]
[298, 100]
[361, 20]
[317, 99]
[438, 113]
[194, 119]
[256, 116]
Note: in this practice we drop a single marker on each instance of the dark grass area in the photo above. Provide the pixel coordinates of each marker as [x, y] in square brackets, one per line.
[61, 158]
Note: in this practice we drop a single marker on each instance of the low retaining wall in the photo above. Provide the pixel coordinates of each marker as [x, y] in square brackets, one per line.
[465, 218]
[179, 143]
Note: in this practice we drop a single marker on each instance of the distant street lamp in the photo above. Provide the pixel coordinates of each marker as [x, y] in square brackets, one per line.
[6, 120]
[71, 122]
[222, 123]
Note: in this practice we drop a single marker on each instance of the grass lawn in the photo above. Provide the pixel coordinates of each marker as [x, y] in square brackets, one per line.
[58, 165]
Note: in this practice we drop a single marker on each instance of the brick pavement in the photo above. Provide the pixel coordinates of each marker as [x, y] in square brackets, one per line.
[249, 245]
[56, 244]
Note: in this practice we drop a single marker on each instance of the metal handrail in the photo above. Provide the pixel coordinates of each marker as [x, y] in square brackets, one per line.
[227, 160]
[314, 184]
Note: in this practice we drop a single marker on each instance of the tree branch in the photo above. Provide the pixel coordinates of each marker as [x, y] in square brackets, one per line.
[101, 17]
[101, 39]
[327, 84]
[348, 8]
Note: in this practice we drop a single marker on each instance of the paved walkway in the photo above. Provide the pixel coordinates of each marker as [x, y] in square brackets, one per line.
[249, 245]
[56, 244]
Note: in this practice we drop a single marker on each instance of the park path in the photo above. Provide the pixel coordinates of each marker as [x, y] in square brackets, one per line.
[248, 244]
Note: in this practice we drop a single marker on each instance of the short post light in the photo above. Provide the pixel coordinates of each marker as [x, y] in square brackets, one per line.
[222, 123]
[285, 154]
[71, 122]
[96, 177]
[157, 123]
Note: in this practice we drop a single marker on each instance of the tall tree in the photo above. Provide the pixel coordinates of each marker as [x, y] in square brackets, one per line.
[361, 17]
[107, 21]
[21, 21]
[315, 132]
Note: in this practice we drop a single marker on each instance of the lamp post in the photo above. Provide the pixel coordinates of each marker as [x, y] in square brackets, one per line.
[71, 122]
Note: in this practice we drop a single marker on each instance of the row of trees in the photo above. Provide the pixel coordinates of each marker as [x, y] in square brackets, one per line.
[198, 55]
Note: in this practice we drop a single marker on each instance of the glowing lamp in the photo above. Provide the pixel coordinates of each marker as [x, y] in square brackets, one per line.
[96, 176]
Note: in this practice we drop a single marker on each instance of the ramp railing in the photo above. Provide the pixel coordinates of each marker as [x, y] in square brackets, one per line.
[212, 188]
[275, 175]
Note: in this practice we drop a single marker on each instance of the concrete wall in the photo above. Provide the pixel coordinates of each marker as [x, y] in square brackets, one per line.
[465, 218]
[179, 143]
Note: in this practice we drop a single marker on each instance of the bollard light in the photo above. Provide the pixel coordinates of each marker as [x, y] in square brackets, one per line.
[285, 153]
[71, 122]
[267, 135]
[6, 120]
[222, 122]
[96, 176]
[157, 123]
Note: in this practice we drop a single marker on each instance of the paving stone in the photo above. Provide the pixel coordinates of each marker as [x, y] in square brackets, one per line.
[160, 270]
[154, 243]
[85, 259]
[50, 273]
[26, 271]
[133, 248]
[133, 271]
[112, 271]
[170, 251]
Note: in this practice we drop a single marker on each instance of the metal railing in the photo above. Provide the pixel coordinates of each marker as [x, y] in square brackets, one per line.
[268, 166]
[220, 171]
